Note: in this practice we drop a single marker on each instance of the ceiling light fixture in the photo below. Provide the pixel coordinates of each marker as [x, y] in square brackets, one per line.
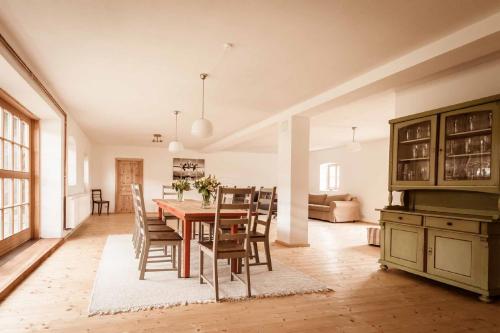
[202, 127]
[354, 146]
[157, 138]
[175, 146]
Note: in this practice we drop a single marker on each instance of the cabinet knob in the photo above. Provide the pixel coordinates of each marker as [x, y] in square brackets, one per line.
[400, 217]
[449, 223]
[429, 251]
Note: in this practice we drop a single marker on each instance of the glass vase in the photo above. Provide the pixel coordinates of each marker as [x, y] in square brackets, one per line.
[205, 200]
[180, 195]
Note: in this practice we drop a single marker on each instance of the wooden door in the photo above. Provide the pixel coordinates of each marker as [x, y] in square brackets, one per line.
[455, 256]
[404, 245]
[414, 152]
[468, 151]
[128, 171]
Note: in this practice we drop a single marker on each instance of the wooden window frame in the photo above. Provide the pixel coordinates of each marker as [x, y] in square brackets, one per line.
[33, 232]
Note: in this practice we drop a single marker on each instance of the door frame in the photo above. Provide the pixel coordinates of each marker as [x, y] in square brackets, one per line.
[122, 159]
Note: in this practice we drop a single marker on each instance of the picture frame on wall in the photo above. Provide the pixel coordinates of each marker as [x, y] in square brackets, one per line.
[188, 168]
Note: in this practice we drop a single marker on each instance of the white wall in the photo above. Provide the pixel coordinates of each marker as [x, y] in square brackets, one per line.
[448, 88]
[78, 195]
[231, 168]
[363, 174]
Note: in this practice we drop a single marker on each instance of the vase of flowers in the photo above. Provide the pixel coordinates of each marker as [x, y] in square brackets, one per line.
[206, 186]
[180, 186]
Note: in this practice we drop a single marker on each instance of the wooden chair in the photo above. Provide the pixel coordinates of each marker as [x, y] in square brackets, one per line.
[265, 208]
[170, 193]
[97, 200]
[155, 224]
[227, 245]
[152, 240]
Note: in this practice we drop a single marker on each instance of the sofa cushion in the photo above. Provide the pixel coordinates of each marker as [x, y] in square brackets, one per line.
[317, 199]
[339, 197]
[320, 208]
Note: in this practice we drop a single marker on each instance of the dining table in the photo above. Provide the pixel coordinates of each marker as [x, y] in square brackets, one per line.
[189, 212]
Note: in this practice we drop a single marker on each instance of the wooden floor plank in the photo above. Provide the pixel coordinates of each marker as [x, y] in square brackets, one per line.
[56, 296]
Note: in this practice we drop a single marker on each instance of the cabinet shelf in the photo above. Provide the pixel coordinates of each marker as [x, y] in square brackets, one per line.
[469, 155]
[414, 159]
[414, 140]
[468, 133]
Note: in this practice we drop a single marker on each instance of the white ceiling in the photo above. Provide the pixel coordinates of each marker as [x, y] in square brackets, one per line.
[121, 67]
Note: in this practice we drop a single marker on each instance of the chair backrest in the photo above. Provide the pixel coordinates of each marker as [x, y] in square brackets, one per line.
[168, 192]
[139, 208]
[96, 195]
[222, 223]
[264, 209]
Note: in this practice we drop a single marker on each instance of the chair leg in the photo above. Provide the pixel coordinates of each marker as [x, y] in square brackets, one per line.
[144, 260]
[107, 210]
[247, 269]
[201, 266]
[99, 208]
[268, 255]
[93, 205]
[216, 279]
[179, 256]
[256, 252]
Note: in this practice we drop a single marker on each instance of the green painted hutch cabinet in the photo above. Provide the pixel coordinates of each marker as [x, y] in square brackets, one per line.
[444, 164]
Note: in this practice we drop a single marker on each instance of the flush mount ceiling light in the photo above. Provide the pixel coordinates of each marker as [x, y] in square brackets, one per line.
[202, 127]
[354, 146]
[175, 146]
[157, 138]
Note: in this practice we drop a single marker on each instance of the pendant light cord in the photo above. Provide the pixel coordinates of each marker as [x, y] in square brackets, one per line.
[203, 98]
[176, 115]
[353, 132]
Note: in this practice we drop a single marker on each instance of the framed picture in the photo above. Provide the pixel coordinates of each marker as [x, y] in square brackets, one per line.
[188, 168]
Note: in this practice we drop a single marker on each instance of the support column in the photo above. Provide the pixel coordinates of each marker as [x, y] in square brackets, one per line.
[293, 181]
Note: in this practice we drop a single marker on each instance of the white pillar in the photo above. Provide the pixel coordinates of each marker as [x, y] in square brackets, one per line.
[293, 181]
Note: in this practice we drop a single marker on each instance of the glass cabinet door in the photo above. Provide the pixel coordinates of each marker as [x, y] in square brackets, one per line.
[467, 150]
[413, 150]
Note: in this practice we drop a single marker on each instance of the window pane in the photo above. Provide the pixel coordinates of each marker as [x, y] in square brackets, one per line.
[7, 125]
[7, 192]
[17, 219]
[16, 129]
[26, 217]
[25, 160]
[1, 190]
[17, 191]
[7, 155]
[25, 133]
[7, 222]
[1, 124]
[1, 221]
[17, 157]
[26, 191]
[332, 182]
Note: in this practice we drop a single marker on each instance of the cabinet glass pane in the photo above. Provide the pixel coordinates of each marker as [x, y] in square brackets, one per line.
[25, 209]
[26, 191]
[17, 157]
[16, 129]
[7, 155]
[468, 146]
[25, 133]
[413, 156]
[7, 125]
[7, 192]
[7, 222]
[17, 219]
[25, 160]
[17, 191]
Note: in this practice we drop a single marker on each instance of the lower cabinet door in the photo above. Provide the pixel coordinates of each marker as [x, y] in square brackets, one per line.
[454, 256]
[404, 245]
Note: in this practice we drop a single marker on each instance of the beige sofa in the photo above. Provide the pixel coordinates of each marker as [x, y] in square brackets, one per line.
[334, 208]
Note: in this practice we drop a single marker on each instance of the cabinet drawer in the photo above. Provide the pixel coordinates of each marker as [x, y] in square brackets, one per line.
[452, 224]
[401, 218]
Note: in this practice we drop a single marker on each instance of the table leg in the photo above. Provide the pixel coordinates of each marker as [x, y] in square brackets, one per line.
[187, 247]
[160, 213]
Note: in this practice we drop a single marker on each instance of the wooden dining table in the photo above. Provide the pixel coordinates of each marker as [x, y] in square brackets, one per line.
[189, 212]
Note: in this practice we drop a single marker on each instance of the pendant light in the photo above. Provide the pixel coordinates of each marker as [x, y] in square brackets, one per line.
[175, 146]
[202, 127]
[354, 146]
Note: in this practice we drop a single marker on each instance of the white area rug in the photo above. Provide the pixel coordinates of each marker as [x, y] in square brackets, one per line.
[117, 287]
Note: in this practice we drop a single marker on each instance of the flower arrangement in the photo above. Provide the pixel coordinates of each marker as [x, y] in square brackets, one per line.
[206, 186]
[180, 186]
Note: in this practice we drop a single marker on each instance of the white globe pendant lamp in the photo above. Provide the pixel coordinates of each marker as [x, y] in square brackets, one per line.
[354, 146]
[202, 127]
[175, 146]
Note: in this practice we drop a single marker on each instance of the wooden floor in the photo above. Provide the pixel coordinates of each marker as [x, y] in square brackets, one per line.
[55, 297]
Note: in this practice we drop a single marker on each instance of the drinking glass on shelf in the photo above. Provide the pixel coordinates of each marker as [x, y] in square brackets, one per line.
[468, 144]
[425, 150]
[471, 122]
[415, 151]
[419, 132]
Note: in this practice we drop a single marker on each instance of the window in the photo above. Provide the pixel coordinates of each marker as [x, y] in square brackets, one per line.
[71, 161]
[86, 173]
[329, 177]
[15, 175]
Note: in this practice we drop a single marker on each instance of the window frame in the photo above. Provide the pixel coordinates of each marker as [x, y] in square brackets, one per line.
[328, 174]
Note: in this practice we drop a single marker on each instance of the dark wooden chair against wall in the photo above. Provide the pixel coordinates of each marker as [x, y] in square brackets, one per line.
[227, 245]
[97, 200]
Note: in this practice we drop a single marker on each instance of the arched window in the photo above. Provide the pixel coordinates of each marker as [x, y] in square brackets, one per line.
[72, 167]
